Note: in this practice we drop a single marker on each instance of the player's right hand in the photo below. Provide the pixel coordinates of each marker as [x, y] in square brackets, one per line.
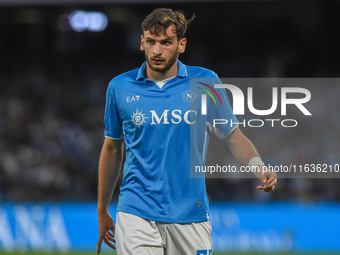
[268, 177]
[106, 224]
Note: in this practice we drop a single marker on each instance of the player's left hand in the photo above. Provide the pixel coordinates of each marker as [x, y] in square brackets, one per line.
[268, 177]
[106, 230]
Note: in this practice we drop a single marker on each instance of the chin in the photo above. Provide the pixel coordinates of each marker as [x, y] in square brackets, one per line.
[158, 69]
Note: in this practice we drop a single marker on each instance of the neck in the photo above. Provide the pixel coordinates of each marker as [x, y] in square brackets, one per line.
[159, 76]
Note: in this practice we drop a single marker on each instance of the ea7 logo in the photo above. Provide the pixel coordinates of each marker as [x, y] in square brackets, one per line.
[239, 101]
[133, 98]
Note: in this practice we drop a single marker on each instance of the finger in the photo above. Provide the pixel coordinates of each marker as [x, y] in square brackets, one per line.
[269, 189]
[111, 237]
[109, 243]
[272, 178]
[110, 234]
[271, 182]
[99, 244]
[264, 180]
[264, 188]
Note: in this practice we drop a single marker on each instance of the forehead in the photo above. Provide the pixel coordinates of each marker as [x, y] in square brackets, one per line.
[169, 33]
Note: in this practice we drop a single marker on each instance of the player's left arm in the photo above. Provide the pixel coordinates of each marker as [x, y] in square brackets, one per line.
[244, 151]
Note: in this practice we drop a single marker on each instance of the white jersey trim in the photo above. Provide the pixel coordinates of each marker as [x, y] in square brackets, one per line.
[112, 138]
[160, 84]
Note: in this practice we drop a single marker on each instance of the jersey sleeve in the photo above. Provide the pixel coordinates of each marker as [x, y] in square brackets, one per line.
[112, 119]
[221, 120]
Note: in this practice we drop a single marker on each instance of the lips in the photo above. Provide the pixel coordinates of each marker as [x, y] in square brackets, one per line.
[157, 61]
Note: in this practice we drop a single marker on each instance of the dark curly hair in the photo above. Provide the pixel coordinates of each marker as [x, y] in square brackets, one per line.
[160, 19]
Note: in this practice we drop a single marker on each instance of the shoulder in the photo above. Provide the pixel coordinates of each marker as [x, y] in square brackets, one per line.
[200, 72]
[123, 79]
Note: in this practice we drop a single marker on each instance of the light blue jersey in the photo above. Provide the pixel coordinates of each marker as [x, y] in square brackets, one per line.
[156, 124]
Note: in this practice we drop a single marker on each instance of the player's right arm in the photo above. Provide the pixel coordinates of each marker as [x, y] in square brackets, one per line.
[110, 165]
[244, 150]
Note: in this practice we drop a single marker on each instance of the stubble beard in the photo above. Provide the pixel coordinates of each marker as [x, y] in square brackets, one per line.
[168, 64]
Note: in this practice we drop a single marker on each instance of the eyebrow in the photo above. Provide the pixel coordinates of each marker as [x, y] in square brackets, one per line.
[166, 39]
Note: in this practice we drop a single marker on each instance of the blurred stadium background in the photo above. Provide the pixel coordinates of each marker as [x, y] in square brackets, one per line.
[56, 59]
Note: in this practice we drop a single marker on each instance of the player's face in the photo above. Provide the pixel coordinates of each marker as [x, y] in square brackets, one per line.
[161, 51]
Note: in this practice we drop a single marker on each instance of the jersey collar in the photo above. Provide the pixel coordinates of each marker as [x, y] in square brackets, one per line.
[182, 71]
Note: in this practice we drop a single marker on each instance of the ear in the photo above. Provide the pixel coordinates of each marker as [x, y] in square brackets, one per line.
[182, 45]
[141, 43]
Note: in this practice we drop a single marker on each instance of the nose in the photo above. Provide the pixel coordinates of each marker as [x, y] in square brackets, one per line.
[156, 49]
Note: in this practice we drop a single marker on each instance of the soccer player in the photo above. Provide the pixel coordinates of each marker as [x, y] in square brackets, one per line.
[161, 209]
